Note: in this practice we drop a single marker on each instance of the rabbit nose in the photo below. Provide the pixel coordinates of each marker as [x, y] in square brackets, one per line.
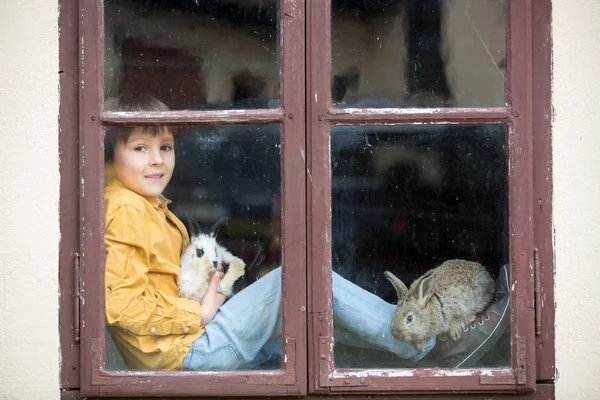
[215, 264]
[397, 332]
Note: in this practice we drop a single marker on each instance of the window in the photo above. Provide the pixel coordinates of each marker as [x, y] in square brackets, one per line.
[342, 138]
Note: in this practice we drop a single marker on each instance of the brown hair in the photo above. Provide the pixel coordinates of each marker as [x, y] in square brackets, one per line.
[131, 102]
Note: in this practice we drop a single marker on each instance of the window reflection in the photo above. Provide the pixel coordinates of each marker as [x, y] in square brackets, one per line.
[232, 172]
[193, 54]
[418, 53]
[407, 198]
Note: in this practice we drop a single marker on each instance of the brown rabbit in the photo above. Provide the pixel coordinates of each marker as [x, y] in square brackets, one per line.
[442, 301]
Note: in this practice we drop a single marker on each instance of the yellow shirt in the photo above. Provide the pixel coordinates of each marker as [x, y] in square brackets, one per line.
[151, 325]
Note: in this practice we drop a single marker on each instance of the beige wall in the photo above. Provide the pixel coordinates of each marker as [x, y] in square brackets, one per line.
[576, 143]
[29, 177]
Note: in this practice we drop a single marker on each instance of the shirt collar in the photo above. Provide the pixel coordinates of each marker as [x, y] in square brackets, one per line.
[156, 202]
[163, 201]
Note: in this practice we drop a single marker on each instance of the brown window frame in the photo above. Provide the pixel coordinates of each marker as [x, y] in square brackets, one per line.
[96, 379]
[530, 111]
[517, 115]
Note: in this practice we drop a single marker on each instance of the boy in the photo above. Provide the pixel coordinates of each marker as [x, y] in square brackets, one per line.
[143, 245]
[155, 329]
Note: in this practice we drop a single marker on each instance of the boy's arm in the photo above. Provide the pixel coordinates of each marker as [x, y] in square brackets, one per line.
[131, 302]
[212, 299]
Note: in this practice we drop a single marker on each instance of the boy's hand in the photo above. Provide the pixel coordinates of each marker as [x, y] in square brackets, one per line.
[212, 299]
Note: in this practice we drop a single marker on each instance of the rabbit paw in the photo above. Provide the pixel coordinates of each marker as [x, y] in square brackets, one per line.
[420, 345]
[455, 332]
[470, 319]
[234, 272]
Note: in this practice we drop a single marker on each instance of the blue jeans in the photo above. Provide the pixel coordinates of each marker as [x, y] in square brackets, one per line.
[246, 332]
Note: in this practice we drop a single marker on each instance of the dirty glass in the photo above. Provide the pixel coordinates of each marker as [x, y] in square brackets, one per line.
[406, 199]
[193, 54]
[228, 176]
[418, 53]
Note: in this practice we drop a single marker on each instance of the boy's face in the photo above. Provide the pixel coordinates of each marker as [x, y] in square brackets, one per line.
[145, 162]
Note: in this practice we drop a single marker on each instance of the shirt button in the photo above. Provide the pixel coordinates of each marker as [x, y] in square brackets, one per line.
[186, 329]
[153, 329]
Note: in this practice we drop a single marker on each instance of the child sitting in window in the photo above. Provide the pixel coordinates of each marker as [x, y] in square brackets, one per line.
[154, 329]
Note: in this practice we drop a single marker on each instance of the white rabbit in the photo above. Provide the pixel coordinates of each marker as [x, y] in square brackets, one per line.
[200, 260]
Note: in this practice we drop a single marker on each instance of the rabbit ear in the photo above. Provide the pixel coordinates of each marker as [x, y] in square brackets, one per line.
[401, 289]
[218, 225]
[425, 289]
[194, 228]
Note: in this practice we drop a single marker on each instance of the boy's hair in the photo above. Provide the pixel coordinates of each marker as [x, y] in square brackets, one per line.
[131, 102]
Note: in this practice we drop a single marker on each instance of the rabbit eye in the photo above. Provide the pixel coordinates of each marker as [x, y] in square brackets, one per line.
[409, 319]
[199, 252]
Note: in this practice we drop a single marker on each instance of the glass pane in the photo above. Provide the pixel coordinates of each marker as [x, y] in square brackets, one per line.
[418, 53]
[194, 55]
[408, 199]
[225, 191]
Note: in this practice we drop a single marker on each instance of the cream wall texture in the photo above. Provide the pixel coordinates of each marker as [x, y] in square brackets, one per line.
[29, 178]
[576, 162]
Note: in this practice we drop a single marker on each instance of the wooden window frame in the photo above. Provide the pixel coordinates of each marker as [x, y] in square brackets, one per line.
[95, 378]
[517, 115]
[76, 350]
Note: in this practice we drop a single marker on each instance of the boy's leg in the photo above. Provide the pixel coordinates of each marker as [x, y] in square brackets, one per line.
[239, 337]
[361, 319]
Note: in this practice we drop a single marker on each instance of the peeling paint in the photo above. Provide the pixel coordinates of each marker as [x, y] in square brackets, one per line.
[82, 63]
[403, 373]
